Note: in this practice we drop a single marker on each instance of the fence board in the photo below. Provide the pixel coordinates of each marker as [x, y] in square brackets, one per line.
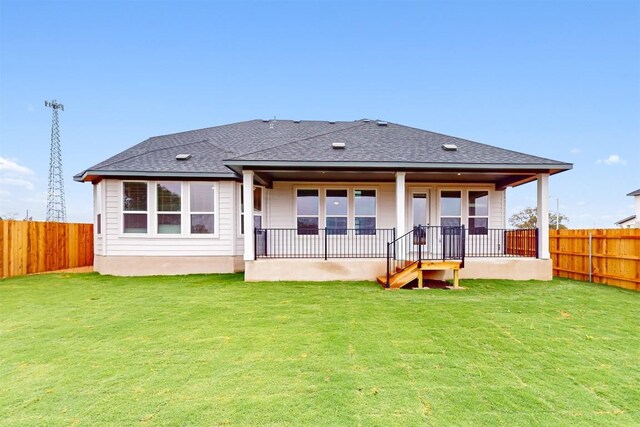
[36, 247]
[615, 256]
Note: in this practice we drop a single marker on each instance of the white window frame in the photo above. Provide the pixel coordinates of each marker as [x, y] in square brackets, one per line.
[216, 209]
[468, 208]
[355, 213]
[98, 218]
[318, 215]
[158, 212]
[322, 206]
[463, 195]
[262, 213]
[148, 212]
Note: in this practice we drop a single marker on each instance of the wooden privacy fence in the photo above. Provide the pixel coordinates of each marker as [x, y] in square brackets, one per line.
[612, 256]
[35, 247]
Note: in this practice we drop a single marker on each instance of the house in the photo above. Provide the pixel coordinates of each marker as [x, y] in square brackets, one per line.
[315, 200]
[632, 221]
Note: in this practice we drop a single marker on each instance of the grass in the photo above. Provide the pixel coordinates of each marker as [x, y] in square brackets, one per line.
[212, 350]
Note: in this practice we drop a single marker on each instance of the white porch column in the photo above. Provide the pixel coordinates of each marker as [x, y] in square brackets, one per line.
[400, 204]
[543, 216]
[247, 195]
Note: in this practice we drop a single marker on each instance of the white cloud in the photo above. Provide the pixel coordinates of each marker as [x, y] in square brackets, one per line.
[575, 151]
[7, 165]
[16, 182]
[613, 159]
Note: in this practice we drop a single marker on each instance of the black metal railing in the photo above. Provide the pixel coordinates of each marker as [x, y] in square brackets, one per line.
[322, 242]
[424, 243]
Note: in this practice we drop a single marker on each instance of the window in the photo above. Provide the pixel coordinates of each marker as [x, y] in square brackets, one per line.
[168, 207]
[450, 209]
[365, 211]
[336, 208]
[202, 207]
[134, 207]
[97, 200]
[257, 208]
[478, 212]
[307, 211]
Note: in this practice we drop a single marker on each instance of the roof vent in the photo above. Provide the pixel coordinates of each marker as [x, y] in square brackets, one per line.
[366, 120]
[450, 147]
[265, 120]
[332, 122]
[382, 123]
[337, 145]
[296, 121]
[183, 156]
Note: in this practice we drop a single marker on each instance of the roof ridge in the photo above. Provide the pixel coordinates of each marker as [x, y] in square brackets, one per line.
[201, 129]
[152, 151]
[300, 140]
[476, 142]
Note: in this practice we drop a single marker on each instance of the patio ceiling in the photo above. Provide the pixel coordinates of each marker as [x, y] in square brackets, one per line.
[501, 179]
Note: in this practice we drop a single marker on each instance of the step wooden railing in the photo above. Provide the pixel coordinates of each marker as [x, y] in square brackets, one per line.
[425, 242]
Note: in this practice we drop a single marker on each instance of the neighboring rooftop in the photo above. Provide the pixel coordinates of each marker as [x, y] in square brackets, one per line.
[634, 193]
[217, 150]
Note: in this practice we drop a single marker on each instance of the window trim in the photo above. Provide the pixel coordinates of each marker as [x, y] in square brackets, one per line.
[322, 206]
[216, 210]
[469, 216]
[355, 214]
[318, 215]
[97, 200]
[240, 205]
[179, 213]
[462, 216]
[152, 212]
[146, 212]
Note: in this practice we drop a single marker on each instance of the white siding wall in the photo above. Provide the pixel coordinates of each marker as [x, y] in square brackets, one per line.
[281, 208]
[98, 202]
[279, 212]
[119, 244]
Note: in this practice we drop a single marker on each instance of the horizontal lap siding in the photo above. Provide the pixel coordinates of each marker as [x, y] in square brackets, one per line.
[120, 245]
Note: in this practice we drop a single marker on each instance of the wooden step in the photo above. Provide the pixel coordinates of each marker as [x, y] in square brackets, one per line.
[401, 278]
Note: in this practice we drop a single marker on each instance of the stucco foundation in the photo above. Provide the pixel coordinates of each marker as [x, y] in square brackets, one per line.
[166, 265]
[316, 270]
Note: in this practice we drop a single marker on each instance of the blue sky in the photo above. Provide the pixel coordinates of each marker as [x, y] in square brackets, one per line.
[554, 79]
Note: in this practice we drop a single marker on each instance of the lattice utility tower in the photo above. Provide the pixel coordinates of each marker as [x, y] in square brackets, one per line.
[56, 209]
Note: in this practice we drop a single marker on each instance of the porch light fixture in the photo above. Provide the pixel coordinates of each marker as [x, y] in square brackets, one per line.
[183, 156]
[336, 145]
[450, 147]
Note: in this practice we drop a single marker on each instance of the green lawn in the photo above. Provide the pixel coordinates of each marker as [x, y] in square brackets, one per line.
[212, 350]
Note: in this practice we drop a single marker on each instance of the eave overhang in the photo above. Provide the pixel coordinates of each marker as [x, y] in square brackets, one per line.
[518, 173]
[93, 175]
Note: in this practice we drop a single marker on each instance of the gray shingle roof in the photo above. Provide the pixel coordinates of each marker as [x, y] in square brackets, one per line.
[308, 141]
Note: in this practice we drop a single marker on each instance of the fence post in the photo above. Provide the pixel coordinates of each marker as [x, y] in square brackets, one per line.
[590, 256]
